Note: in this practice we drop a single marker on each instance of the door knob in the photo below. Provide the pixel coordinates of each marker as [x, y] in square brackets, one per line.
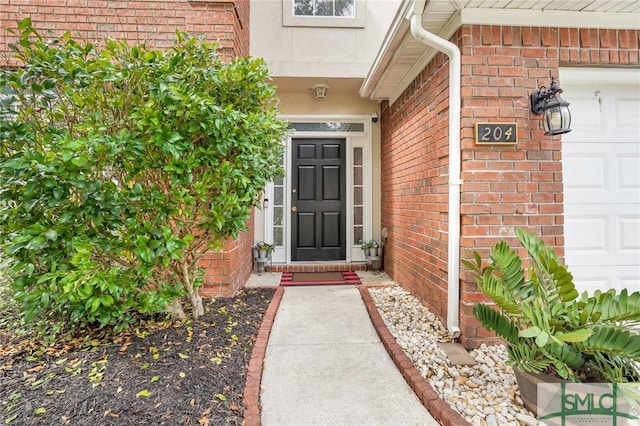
[294, 209]
[294, 190]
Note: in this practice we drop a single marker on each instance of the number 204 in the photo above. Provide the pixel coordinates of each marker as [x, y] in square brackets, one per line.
[488, 133]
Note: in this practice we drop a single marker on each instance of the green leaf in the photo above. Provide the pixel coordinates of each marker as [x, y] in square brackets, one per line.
[24, 24]
[10, 418]
[221, 397]
[40, 410]
[575, 336]
[496, 322]
[147, 255]
[144, 393]
[530, 332]
[542, 339]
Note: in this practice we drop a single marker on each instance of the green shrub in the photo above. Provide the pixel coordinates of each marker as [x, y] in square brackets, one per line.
[122, 166]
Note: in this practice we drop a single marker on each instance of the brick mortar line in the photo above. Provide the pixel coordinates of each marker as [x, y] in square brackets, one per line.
[431, 400]
[251, 395]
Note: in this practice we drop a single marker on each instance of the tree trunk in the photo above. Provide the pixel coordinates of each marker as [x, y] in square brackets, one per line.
[194, 297]
[176, 310]
[196, 304]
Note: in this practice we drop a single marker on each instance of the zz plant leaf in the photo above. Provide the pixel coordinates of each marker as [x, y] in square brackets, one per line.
[547, 325]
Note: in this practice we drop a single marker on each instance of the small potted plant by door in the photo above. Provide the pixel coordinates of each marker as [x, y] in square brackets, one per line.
[552, 333]
[264, 249]
[374, 248]
[366, 245]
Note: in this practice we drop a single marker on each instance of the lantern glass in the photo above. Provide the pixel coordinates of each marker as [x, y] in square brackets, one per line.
[557, 117]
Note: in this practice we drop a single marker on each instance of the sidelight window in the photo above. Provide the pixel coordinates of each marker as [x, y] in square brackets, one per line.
[358, 195]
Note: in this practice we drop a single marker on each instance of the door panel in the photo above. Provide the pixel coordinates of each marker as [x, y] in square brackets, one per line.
[306, 182]
[330, 229]
[331, 183]
[306, 221]
[318, 200]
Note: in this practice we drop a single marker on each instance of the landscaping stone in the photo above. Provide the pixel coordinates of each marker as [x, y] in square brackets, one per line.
[484, 394]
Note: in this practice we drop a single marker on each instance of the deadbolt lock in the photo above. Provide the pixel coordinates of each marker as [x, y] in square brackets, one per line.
[294, 209]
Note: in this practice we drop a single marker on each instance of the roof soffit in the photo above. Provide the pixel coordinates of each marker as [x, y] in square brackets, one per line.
[401, 57]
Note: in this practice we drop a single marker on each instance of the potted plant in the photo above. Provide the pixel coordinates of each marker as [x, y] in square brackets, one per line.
[264, 249]
[548, 327]
[374, 248]
[366, 246]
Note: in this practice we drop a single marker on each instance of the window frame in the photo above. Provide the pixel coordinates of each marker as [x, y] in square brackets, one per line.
[357, 21]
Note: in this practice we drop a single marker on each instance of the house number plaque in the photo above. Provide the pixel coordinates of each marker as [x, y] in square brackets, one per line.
[496, 133]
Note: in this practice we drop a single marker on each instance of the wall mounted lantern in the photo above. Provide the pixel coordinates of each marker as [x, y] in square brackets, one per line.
[557, 117]
[320, 91]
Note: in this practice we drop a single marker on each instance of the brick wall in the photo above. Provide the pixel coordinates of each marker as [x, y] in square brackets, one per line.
[414, 160]
[227, 272]
[504, 187]
[153, 22]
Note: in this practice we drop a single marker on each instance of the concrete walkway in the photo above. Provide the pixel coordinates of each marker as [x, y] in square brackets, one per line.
[325, 365]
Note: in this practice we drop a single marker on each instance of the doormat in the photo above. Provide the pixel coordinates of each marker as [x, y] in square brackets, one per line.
[319, 278]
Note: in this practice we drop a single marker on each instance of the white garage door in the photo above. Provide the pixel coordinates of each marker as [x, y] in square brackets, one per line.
[601, 164]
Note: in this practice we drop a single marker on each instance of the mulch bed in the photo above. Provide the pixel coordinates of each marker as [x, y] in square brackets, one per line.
[159, 374]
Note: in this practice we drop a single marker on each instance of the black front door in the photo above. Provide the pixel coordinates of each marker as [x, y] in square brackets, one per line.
[318, 200]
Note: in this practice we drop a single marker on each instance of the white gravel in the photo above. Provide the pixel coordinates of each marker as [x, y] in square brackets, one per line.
[484, 394]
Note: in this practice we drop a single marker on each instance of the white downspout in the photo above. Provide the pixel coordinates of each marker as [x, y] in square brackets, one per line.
[452, 51]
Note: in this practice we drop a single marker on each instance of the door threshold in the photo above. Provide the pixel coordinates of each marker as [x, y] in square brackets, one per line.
[318, 267]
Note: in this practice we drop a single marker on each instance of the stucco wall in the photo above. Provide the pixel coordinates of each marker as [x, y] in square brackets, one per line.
[318, 51]
[504, 187]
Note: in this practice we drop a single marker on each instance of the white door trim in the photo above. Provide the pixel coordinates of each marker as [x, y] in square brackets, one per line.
[353, 139]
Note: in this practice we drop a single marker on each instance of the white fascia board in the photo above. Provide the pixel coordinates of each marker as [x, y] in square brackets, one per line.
[551, 18]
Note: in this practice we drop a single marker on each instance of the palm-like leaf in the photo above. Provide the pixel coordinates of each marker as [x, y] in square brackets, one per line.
[509, 264]
[545, 323]
[567, 354]
[494, 287]
[613, 341]
[621, 307]
[496, 322]
[527, 358]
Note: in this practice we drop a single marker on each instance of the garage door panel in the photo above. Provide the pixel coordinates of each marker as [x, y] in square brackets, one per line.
[626, 114]
[607, 173]
[630, 281]
[629, 173]
[583, 107]
[629, 235]
[588, 234]
[603, 230]
[601, 175]
[592, 278]
[589, 171]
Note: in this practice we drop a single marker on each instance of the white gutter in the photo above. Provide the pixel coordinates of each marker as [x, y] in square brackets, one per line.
[453, 271]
